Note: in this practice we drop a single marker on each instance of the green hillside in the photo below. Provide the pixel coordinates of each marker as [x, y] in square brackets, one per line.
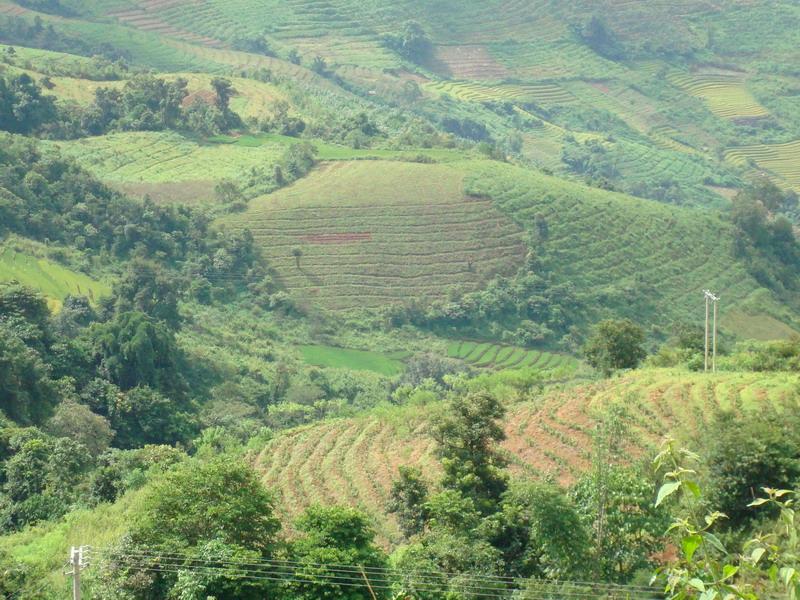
[255, 257]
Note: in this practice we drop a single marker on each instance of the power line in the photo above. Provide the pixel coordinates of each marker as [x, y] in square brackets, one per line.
[350, 575]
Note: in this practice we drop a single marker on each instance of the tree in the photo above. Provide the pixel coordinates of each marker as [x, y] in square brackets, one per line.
[334, 536]
[745, 455]
[297, 252]
[76, 422]
[147, 287]
[407, 500]
[466, 435]
[320, 66]
[615, 345]
[136, 350]
[601, 39]
[144, 416]
[219, 499]
[542, 534]
[27, 394]
[412, 43]
[23, 108]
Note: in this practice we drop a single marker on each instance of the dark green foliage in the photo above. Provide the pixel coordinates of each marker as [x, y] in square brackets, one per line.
[40, 478]
[541, 534]
[136, 350]
[615, 345]
[767, 241]
[413, 43]
[466, 435]
[23, 106]
[601, 39]
[148, 288]
[407, 500]
[334, 536]
[780, 355]
[747, 454]
[618, 509]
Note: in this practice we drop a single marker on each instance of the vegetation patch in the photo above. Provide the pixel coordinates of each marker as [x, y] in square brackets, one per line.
[348, 358]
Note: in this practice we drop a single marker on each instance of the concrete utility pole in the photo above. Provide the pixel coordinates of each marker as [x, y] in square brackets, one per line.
[76, 560]
[709, 299]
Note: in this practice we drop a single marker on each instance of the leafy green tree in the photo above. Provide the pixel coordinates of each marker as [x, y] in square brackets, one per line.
[27, 393]
[78, 423]
[412, 43]
[136, 350]
[220, 499]
[747, 455]
[147, 287]
[407, 500]
[335, 536]
[615, 345]
[601, 39]
[144, 416]
[23, 107]
[466, 435]
[541, 533]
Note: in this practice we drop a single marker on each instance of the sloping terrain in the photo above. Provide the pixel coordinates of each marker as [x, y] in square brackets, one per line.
[353, 461]
[371, 233]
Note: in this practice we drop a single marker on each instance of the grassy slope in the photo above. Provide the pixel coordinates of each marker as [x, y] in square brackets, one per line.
[348, 358]
[51, 279]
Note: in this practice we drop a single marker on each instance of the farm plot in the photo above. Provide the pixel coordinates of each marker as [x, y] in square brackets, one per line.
[781, 159]
[372, 233]
[154, 162]
[497, 356]
[353, 461]
[468, 62]
[726, 96]
[52, 279]
[543, 93]
[348, 358]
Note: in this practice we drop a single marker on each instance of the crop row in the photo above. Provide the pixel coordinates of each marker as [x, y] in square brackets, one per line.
[781, 159]
[726, 96]
[496, 356]
[545, 93]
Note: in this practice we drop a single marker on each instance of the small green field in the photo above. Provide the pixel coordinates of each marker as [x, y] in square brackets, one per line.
[51, 279]
[497, 356]
[348, 358]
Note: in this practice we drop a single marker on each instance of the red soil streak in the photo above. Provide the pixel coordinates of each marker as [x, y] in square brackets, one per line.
[337, 238]
[600, 86]
[201, 96]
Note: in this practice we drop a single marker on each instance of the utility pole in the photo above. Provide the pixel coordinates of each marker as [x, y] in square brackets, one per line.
[76, 560]
[709, 299]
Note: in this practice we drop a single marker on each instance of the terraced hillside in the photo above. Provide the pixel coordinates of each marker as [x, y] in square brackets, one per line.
[635, 255]
[353, 461]
[372, 233]
[498, 356]
[726, 96]
[781, 160]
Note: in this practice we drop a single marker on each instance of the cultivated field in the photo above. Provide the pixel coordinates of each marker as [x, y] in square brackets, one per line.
[544, 93]
[497, 356]
[726, 96]
[354, 461]
[348, 358]
[373, 233]
[158, 162]
[783, 160]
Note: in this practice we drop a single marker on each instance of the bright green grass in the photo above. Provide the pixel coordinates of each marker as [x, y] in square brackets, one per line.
[348, 358]
[51, 279]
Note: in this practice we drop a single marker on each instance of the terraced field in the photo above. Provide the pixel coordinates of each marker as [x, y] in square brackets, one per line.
[51, 279]
[638, 256]
[544, 93]
[470, 61]
[726, 96]
[373, 233]
[783, 160]
[167, 165]
[497, 356]
[354, 461]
